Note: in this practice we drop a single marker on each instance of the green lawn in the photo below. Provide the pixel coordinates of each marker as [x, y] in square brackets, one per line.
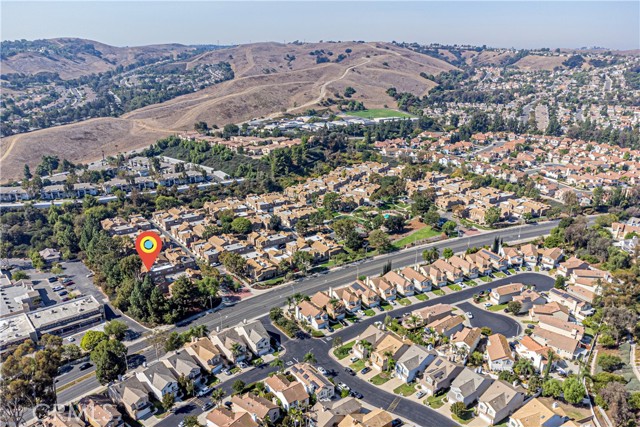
[379, 380]
[512, 270]
[438, 292]
[386, 306]
[423, 233]
[436, 401]
[404, 301]
[342, 352]
[421, 297]
[467, 416]
[536, 268]
[485, 279]
[377, 113]
[369, 312]
[470, 283]
[500, 274]
[358, 365]
[455, 287]
[337, 326]
[405, 389]
[498, 307]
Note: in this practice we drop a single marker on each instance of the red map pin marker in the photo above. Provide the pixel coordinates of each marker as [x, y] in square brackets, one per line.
[148, 245]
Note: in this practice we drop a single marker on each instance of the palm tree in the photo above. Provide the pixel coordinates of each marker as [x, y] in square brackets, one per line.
[390, 362]
[199, 331]
[277, 363]
[413, 320]
[216, 396]
[236, 349]
[289, 303]
[310, 358]
[551, 356]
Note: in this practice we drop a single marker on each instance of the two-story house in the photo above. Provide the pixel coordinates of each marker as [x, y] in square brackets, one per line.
[310, 313]
[499, 355]
[256, 337]
[499, 401]
[420, 282]
[133, 395]
[412, 362]
[439, 375]
[160, 379]
[291, 394]
[205, 353]
[315, 383]
[467, 387]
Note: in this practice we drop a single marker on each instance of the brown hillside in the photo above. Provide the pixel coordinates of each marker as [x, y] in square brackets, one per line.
[540, 62]
[84, 63]
[291, 86]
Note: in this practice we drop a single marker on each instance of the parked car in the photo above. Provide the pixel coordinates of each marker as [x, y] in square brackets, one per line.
[207, 406]
[71, 339]
[531, 326]
[365, 370]
[343, 386]
[85, 366]
[420, 394]
[354, 359]
[488, 304]
[349, 371]
[226, 371]
[58, 288]
[361, 312]
[204, 391]
[52, 279]
[243, 364]
[62, 293]
[397, 422]
[356, 394]
[469, 315]
[322, 370]
[228, 404]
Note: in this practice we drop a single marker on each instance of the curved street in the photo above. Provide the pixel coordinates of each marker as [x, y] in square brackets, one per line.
[417, 413]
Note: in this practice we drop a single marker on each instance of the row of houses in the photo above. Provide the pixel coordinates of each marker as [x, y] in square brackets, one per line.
[203, 355]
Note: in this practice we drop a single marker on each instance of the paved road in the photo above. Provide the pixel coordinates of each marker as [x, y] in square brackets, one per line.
[255, 307]
[417, 413]
[498, 323]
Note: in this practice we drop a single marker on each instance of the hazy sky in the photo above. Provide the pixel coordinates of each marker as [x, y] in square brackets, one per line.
[519, 24]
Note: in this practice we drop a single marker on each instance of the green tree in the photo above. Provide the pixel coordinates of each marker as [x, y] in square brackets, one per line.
[458, 409]
[331, 201]
[116, 329]
[379, 240]
[302, 260]
[430, 255]
[110, 358]
[310, 358]
[514, 307]
[275, 222]
[168, 400]
[552, 388]
[216, 396]
[609, 362]
[559, 283]
[191, 421]
[233, 262]
[573, 390]
[173, 342]
[241, 225]
[449, 228]
[447, 253]
[492, 215]
[277, 363]
[238, 386]
[91, 339]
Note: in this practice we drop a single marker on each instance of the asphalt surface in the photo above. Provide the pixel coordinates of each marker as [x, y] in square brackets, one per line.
[259, 306]
[417, 413]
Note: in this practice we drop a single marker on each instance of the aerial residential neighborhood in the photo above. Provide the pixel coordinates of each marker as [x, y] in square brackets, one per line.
[231, 214]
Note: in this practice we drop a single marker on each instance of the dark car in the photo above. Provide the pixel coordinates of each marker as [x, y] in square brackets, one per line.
[207, 406]
[365, 370]
[349, 371]
[356, 394]
[85, 366]
[52, 279]
[396, 423]
[228, 404]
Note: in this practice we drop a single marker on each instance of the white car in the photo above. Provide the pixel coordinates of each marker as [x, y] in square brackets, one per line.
[354, 359]
[420, 394]
[204, 391]
[322, 370]
[361, 312]
[487, 305]
[469, 315]
[343, 386]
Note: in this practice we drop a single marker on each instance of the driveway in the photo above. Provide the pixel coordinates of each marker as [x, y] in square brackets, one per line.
[499, 323]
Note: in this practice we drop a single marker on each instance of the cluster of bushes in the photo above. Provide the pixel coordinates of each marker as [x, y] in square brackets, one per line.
[285, 324]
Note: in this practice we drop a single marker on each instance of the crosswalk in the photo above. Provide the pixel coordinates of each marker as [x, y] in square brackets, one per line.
[394, 404]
